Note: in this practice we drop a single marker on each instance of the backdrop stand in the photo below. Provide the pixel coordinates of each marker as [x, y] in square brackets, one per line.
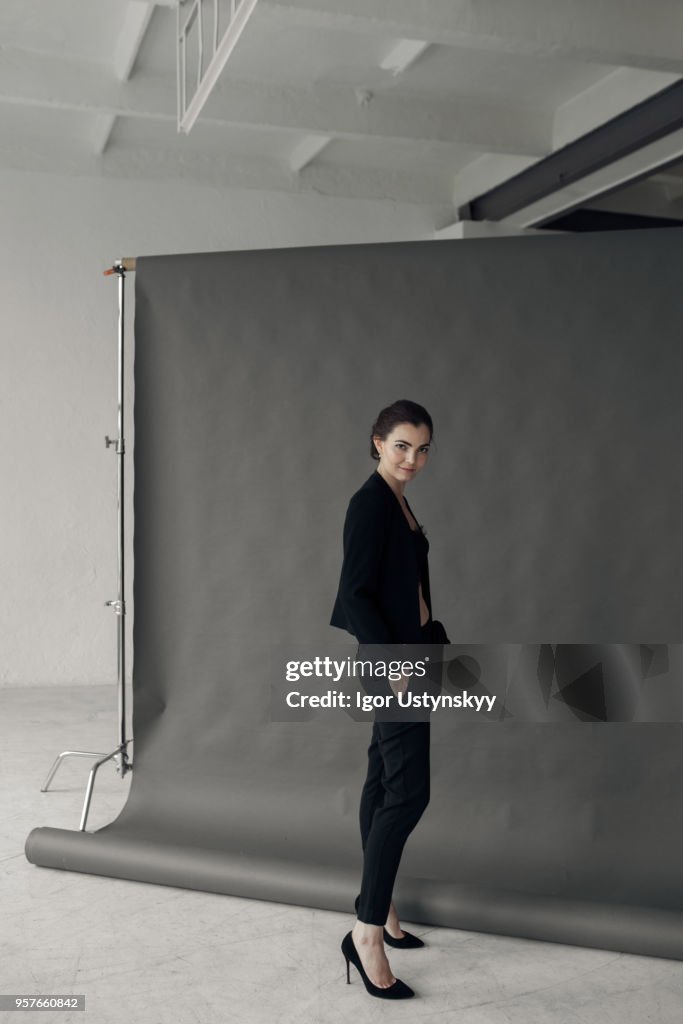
[120, 754]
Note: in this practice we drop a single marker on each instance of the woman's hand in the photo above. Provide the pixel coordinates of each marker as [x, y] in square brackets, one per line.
[399, 685]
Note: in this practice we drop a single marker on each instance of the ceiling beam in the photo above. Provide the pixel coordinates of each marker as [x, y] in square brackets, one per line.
[484, 173]
[625, 172]
[306, 150]
[225, 171]
[621, 33]
[402, 55]
[657, 120]
[100, 132]
[628, 146]
[136, 18]
[611, 96]
[315, 109]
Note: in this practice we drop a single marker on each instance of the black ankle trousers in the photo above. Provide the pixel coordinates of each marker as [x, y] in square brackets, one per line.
[394, 797]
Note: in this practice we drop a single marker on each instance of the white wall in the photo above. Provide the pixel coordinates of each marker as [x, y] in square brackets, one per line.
[58, 384]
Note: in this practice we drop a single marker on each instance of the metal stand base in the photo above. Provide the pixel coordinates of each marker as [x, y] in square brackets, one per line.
[120, 753]
[122, 765]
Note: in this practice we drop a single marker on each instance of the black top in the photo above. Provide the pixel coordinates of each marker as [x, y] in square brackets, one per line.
[384, 560]
[422, 547]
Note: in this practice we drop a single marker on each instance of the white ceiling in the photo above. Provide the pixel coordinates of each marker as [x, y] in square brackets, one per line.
[304, 104]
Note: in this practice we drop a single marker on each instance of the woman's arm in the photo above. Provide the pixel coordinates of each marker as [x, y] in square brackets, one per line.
[359, 583]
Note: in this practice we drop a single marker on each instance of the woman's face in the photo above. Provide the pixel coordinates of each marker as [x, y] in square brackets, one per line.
[404, 451]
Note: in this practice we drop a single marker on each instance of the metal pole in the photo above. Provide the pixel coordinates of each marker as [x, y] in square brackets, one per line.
[121, 451]
[120, 754]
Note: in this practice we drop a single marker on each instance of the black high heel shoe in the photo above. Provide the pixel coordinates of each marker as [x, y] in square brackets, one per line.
[399, 990]
[409, 941]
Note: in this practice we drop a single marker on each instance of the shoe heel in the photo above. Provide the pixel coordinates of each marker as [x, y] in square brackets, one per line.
[398, 990]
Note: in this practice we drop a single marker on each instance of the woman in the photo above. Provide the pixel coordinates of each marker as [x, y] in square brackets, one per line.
[384, 597]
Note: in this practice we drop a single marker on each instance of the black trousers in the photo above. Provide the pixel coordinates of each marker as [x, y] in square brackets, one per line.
[394, 797]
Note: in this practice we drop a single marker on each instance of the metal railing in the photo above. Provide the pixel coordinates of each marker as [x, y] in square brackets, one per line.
[207, 33]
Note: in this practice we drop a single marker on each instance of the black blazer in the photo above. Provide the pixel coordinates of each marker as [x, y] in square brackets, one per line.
[378, 600]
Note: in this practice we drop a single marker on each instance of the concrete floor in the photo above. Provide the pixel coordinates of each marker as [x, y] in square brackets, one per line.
[153, 954]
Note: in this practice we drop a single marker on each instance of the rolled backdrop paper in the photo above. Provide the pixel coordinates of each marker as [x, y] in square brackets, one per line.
[552, 500]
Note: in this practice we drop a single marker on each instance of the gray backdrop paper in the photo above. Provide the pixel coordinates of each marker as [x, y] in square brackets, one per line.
[552, 499]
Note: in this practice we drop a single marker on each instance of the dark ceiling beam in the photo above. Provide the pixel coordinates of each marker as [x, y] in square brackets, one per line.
[653, 119]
